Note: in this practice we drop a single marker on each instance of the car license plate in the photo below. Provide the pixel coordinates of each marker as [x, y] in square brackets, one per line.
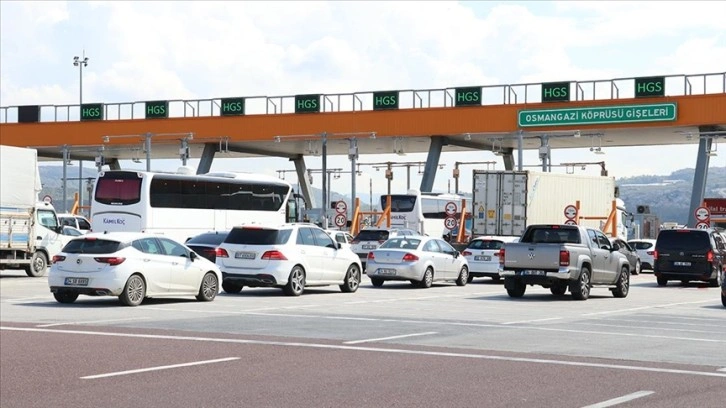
[77, 281]
[369, 247]
[533, 273]
[482, 258]
[385, 271]
[245, 255]
[682, 263]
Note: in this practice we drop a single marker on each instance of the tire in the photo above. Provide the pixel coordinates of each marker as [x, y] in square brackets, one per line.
[134, 291]
[352, 279]
[469, 278]
[723, 300]
[515, 287]
[558, 290]
[37, 266]
[496, 278]
[638, 268]
[427, 279]
[208, 288]
[65, 297]
[715, 283]
[295, 282]
[662, 281]
[377, 282]
[230, 287]
[580, 289]
[622, 287]
[463, 278]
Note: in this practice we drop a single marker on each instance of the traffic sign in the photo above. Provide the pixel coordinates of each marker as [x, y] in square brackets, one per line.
[341, 207]
[570, 222]
[450, 222]
[48, 199]
[702, 225]
[702, 214]
[450, 208]
[341, 220]
[570, 212]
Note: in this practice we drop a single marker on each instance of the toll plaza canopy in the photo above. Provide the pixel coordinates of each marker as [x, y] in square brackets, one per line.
[656, 110]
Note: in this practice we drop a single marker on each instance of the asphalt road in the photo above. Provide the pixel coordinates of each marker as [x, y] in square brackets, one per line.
[394, 346]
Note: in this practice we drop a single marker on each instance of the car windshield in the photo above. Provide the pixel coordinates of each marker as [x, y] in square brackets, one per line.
[258, 236]
[92, 246]
[683, 240]
[401, 243]
[372, 235]
[211, 238]
[485, 244]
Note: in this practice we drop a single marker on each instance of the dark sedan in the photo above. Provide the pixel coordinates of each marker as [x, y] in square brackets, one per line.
[205, 244]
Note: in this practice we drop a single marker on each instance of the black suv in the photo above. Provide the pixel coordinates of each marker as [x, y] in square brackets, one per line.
[689, 254]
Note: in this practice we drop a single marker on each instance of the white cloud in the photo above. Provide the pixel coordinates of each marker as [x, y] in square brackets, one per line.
[173, 50]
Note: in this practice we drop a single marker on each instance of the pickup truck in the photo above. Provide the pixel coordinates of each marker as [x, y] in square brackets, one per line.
[562, 257]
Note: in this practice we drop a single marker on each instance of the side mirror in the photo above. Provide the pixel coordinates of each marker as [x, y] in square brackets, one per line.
[192, 255]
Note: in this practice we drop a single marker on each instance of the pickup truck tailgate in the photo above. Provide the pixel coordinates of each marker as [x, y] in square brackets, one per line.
[532, 256]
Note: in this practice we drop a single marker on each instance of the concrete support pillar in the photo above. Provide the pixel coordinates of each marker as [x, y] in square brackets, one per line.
[699, 178]
[302, 179]
[205, 162]
[432, 163]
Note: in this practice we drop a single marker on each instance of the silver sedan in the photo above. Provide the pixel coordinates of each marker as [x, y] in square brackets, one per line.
[419, 259]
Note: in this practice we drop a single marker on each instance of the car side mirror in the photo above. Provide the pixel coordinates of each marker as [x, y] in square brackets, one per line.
[192, 255]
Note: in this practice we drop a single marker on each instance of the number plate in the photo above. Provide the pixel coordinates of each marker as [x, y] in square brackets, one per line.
[682, 263]
[384, 271]
[482, 258]
[77, 281]
[534, 273]
[245, 255]
[369, 247]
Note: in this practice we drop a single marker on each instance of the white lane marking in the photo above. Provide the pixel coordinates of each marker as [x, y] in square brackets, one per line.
[722, 369]
[428, 323]
[389, 338]
[658, 322]
[534, 321]
[91, 321]
[646, 327]
[620, 400]
[372, 349]
[144, 370]
[645, 308]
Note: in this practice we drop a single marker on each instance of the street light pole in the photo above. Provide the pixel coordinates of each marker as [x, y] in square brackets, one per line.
[80, 63]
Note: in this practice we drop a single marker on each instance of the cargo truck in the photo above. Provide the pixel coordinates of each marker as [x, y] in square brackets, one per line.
[506, 202]
[29, 229]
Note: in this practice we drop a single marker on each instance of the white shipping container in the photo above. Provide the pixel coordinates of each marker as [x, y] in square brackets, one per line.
[505, 202]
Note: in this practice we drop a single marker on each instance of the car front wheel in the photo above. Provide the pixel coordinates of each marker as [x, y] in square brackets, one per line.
[622, 287]
[209, 288]
[352, 280]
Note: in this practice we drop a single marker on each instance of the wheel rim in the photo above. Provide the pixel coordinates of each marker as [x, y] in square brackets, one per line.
[209, 286]
[585, 283]
[136, 289]
[625, 286]
[38, 264]
[464, 275]
[353, 278]
[297, 281]
[429, 277]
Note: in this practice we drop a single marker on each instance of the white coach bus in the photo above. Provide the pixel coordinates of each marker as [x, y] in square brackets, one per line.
[181, 205]
[422, 212]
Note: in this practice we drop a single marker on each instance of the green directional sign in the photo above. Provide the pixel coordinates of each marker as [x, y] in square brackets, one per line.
[556, 92]
[157, 110]
[232, 106]
[470, 96]
[385, 100]
[91, 111]
[658, 112]
[649, 87]
[307, 103]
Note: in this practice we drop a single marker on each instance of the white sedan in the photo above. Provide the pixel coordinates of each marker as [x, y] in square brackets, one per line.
[132, 266]
[419, 259]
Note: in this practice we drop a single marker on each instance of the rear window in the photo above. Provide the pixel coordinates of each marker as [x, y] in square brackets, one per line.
[212, 238]
[118, 188]
[258, 236]
[641, 245]
[92, 246]
[554, 235]
[372, 235]
[683, 240]
[402, 243]
[485, 244]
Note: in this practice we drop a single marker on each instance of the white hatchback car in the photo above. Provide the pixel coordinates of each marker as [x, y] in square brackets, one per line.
[132, 266]
[290, 256]
[645, 249]
[482, 253]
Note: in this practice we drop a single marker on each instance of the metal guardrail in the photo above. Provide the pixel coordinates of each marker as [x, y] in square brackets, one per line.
[608, 89]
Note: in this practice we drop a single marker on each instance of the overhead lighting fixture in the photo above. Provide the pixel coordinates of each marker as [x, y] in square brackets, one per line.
[577, 134]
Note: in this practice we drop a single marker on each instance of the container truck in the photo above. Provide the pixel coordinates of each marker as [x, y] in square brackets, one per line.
[506, 202]
[29, 230]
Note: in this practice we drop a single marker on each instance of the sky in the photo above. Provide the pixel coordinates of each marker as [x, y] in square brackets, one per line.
[195, 50]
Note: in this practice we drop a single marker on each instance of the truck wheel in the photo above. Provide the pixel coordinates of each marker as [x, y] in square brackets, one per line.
[622, 287]
[38, 265]
[515, 288]
[580, 288]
